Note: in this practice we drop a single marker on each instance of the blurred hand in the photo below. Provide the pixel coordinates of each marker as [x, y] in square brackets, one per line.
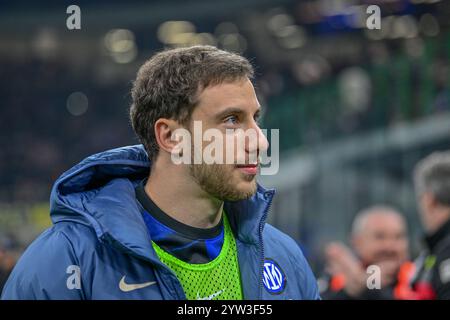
[389, 269]
[340, 260]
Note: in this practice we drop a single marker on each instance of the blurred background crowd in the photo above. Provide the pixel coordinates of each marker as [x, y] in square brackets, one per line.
[356, 108]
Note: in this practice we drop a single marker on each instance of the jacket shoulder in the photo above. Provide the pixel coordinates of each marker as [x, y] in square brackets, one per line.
[285, 250]
[282, 242]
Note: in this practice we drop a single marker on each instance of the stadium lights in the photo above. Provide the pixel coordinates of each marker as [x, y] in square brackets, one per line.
[121, 45]
[229, 37]
[77, 103]
[183, 33]
[288, 34]
[395, 27]
[45, 44]
[428, 25]
[173, 32]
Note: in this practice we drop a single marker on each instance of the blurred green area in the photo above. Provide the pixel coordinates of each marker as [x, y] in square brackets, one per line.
[402, 88]
[21, 223]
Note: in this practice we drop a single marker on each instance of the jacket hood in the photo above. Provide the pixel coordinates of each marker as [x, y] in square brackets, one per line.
[99, 192]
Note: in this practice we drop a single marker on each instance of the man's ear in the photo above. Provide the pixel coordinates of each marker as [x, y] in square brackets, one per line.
[164, 128]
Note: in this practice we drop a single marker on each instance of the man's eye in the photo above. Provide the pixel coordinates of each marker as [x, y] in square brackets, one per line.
[231, 120]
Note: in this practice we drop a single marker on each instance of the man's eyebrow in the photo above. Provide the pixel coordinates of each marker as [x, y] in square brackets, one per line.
[233, 110]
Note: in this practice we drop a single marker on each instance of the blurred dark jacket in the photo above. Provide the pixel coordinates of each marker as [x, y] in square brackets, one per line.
[431, 278]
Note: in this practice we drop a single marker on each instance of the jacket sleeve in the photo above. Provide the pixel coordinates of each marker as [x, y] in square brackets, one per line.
[48, 269]
[306, 277]
[286, 249]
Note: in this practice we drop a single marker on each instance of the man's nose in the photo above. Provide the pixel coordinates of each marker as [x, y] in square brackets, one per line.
[261, 144]
[392, 246]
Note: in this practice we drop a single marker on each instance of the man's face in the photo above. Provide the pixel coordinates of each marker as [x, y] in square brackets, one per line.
[230, 106]
[383, 238]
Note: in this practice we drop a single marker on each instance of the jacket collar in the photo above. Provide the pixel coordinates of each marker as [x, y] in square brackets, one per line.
[99, 192]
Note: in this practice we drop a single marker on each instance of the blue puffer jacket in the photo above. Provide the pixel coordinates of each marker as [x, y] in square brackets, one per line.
[99, 246]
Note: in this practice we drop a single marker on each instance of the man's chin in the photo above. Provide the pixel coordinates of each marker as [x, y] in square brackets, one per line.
[224, 184]
[245, 190]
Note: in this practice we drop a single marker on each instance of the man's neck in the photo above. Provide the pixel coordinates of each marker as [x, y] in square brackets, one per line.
[182, 199]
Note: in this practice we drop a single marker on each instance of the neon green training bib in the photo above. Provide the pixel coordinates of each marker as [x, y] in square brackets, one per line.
[219, 279]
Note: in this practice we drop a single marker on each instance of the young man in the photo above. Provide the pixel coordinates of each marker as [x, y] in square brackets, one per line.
[131, 223]
[431, 279]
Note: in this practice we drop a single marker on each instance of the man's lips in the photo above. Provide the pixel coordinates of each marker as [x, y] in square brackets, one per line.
[248, 168]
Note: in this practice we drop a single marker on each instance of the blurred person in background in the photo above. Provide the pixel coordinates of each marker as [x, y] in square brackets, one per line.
[431, 276]
[379, 237]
